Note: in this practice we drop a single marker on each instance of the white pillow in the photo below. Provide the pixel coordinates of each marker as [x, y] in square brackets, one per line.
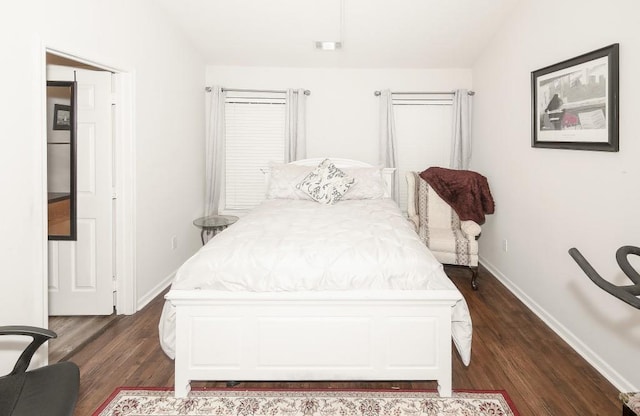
[369, 183]
[283, 178]
[326, 183]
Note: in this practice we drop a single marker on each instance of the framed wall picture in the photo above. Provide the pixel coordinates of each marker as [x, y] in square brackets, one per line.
[61, 117]
[575, 102]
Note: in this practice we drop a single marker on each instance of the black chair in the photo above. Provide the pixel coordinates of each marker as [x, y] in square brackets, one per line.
[51, 390]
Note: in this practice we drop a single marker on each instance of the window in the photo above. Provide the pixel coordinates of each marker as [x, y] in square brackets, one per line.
[255, 136]
[423, 131]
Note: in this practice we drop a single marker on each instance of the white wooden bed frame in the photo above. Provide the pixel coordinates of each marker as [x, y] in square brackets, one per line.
[328, 335]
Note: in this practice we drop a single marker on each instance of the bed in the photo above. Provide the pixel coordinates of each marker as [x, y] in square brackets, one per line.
[305, 290]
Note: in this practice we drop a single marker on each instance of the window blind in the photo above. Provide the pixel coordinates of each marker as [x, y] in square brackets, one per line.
[255, 136]
[423, 130]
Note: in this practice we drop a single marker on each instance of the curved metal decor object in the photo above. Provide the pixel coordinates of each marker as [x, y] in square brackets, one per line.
[628, 294]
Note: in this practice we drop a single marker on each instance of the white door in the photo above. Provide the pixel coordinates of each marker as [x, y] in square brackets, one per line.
[81, 272]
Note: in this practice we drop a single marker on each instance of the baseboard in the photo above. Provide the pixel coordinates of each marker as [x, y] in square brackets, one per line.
[574, 342]
[155, 291]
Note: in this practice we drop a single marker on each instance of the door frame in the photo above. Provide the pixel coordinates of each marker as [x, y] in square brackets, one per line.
[124, 174]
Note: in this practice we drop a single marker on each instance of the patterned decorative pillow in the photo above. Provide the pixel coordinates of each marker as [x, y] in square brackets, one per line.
[326, 183]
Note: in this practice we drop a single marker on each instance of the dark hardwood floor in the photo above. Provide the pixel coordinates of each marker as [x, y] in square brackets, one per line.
[513, 350]
[73, 332]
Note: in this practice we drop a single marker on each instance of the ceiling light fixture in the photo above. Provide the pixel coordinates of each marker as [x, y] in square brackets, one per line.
[330, 45]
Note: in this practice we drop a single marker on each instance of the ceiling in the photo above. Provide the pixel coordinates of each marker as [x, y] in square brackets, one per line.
[374, 33]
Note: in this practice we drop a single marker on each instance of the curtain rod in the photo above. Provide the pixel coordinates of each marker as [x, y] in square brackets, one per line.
[377, 93]
[208, 89]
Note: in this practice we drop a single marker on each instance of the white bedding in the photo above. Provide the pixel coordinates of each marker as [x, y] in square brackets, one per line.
[299, 245]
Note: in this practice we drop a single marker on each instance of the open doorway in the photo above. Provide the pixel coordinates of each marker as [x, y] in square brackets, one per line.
[82, 266]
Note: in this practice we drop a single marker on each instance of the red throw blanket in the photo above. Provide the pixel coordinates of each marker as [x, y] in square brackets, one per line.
[466, 191]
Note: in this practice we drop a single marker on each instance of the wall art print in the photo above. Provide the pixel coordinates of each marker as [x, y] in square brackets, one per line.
[575, 102]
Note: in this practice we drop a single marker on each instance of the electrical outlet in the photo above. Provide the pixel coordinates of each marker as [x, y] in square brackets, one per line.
[174, 242]
[505, 245]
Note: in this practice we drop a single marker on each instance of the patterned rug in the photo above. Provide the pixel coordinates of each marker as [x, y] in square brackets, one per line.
[129, 401]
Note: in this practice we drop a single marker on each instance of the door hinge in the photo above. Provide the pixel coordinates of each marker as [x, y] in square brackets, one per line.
[114, 195]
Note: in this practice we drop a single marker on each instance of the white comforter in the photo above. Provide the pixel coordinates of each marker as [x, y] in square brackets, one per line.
[297, 245]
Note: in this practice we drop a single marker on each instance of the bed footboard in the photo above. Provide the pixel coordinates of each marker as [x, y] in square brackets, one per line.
[249, 336]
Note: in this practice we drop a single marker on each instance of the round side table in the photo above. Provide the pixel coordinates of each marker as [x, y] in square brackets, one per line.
[213, 224]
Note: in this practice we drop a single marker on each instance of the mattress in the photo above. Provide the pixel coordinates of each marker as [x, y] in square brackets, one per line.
[300, 245]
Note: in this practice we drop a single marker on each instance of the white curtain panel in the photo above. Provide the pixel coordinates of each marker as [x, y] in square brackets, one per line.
[461, 131]
[388, 140]
[295, 138]
[214, 150]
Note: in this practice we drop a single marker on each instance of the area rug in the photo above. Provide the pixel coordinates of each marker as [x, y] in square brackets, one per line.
[130, 401]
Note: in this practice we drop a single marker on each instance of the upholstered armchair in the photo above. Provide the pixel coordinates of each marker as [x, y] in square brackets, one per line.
[450, 240]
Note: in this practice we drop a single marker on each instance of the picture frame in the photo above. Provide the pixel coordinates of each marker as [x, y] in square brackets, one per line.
[575, 102]
[61, 117]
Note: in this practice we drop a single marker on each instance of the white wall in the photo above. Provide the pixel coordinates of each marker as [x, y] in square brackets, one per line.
[168, 76]
[21, 173]
[342, 111]
[548, 201]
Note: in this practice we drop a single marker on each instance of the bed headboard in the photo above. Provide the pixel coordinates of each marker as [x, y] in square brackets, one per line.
[387, 173]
